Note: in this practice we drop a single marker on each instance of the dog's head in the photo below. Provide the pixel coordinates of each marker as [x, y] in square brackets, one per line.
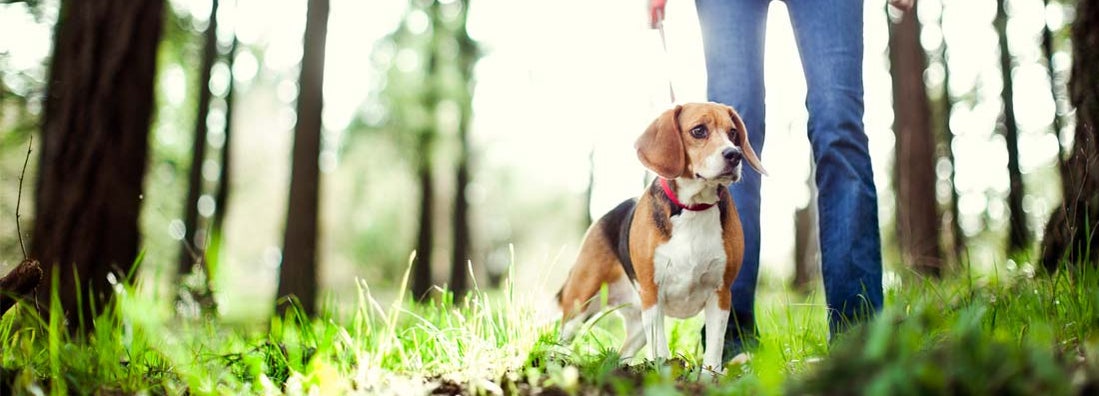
[698, 140]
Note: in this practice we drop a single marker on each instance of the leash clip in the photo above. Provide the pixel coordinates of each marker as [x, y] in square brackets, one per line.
[658, 23]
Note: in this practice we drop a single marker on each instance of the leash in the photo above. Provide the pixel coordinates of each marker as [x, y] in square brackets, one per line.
[658, 22]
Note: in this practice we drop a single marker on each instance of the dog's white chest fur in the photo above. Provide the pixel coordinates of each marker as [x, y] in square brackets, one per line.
[691, 265]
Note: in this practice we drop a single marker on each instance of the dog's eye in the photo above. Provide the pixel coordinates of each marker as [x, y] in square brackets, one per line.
[699, 132]
[734, 136]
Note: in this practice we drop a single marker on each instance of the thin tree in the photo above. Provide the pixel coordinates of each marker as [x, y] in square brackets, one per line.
[945, 111]
[467, 56]
[422, 278]
[1056, 90]
[221, 194]
[298, 274]
[807, 239]
[94, 144]
[917, 211]
[1071, 233]
[1018, 235]
[411, 96]
[425, 240]
[192, 252]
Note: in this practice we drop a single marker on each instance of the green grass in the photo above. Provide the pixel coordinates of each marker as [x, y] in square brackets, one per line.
[1007, 332]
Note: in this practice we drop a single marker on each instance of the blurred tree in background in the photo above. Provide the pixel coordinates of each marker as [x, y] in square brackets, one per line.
[807, 239]
[298, 273]
[22, 88]
[918, 218]
[1071, 231]
[460, 93]
[410, 97]
[94, 147]
[429, 95]
[1018, 232]
[942, 111]
[192, 252]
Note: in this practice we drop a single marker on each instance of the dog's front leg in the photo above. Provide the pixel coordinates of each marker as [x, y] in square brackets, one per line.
[717, 319]
[653, 320]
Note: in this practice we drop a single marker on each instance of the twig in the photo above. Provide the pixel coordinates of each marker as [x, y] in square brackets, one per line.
[19, 197]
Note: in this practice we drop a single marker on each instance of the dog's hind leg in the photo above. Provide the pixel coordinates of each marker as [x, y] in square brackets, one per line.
[635, 333]
[596, 266]
[571, 324]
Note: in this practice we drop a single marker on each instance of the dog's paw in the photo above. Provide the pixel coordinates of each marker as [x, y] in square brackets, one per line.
[710, 373]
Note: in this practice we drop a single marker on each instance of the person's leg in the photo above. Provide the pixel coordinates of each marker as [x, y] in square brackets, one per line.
[732, 37]
[830, 40]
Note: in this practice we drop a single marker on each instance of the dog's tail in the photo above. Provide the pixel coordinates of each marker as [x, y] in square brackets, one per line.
[549, 314]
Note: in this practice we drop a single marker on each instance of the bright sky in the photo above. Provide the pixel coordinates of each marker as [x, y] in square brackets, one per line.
[563, 77]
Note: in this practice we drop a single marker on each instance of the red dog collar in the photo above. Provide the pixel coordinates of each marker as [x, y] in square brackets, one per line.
[671, 195]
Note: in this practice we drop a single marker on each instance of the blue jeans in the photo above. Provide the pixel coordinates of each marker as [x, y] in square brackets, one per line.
[829, 35]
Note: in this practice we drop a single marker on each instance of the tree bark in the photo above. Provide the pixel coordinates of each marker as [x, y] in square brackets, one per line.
[807, 240]
[19, 283]
[1055, 88]
[459, 265]
[1070, 235]
[221, 197]
[191, 251]
[298, 274]
[94, 147]
[221, 194]
[917, 213]
[1019, 235]
[425, 243]
[466, 59]
[946, 109]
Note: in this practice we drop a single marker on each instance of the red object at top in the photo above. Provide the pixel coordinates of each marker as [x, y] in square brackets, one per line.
[656, 13]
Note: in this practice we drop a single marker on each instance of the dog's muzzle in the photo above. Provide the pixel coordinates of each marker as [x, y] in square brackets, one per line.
[732, 156]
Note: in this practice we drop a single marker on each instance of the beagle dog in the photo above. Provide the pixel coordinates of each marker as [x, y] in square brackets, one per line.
[676, 250]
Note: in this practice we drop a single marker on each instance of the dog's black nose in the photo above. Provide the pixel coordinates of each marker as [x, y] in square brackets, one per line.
[732, 155]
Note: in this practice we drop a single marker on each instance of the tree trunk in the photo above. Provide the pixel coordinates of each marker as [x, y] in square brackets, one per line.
[807, 240]
[421, 266]
[221, 194]
[19, 283]
[946, 109]
[1018, 238]
[298, 274]
[459, 265]
[917, 214]
[191, 251]
[466, 59]
[221, 197]
[94, 146]
[1070, 236]
[1055, 90]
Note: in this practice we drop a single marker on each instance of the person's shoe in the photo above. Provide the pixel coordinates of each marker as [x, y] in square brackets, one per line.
[740, 359]
[738, 349]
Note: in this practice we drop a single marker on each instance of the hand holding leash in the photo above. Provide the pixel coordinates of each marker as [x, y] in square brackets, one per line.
[656, 13]
[903, 5]
[656, 21]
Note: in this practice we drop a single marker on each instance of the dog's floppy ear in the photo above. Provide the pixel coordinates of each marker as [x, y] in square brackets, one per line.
[745, 145]
[660, 148]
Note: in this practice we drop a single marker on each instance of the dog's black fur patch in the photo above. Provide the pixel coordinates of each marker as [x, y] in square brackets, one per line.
[616, 228]
[662, 202]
